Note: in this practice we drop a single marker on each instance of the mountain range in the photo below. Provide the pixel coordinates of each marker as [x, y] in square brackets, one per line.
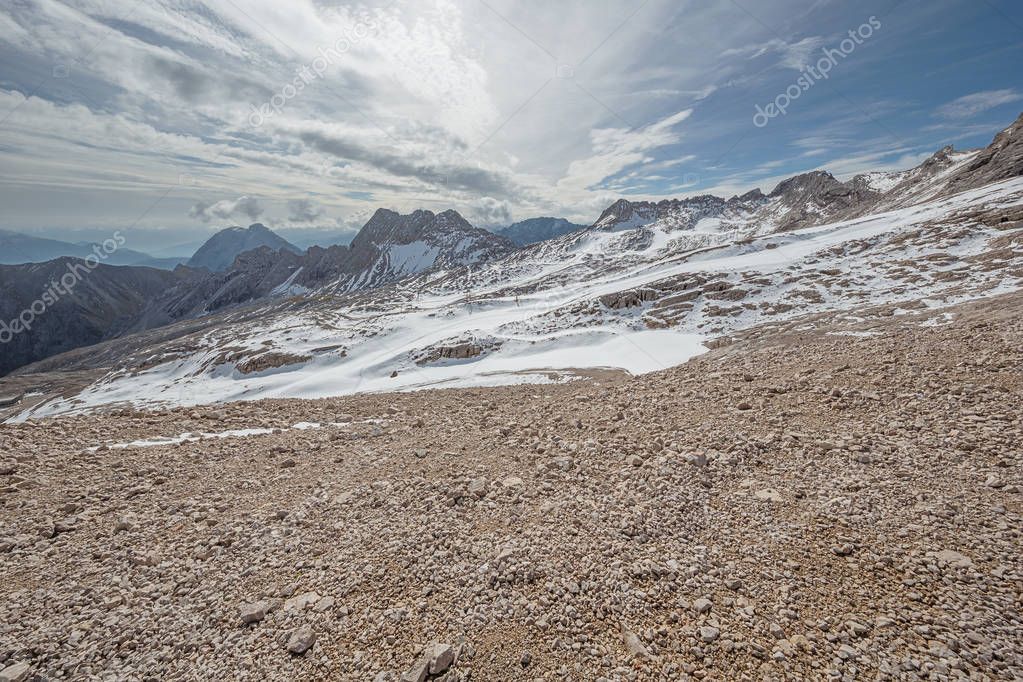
[427, 299]
[17, 248]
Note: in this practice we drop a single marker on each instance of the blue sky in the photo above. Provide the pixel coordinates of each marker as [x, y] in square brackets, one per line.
[170, 119]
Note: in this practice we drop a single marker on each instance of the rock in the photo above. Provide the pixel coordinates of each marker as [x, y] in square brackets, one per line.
[702, 605]
[768, 495]
[288, 463]
[478, 487]
[301, 602]
[301, 640]
[776, 631]
[324, 604]
[124, 523]
[525, 659]
[952, 558]
[733, 584]
[743, 406]
[844, 549]
[15, 673]
[634, 645]
[709, 634]
[252, 613]
[634, 460]
[441, 658]
[419, 670]
[511, 482]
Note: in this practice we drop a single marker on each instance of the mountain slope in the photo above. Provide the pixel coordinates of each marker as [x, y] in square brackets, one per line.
[220, 250]
[511, 321]
[102, 303]
[533, 230]
[648, 285]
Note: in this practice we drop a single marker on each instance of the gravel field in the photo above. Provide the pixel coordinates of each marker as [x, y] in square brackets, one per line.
[808, 502]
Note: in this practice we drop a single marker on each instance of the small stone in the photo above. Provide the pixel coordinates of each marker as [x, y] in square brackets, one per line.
[124, 523]
[744, 406]
[526, 659]
[324, 604]
[634, 460]
[441, 658]
[733, 584]
[768, 495]
[288, 463]
[252, 613]
[301, 639]
[843, 550]
[15, 673]
[511, 482]
[478, 487]
[709, 634]
[702, 605]
[776, 631]
[634, 644]
[419, 670]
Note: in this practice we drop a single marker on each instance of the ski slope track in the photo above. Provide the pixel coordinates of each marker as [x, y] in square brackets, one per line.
[637, 297]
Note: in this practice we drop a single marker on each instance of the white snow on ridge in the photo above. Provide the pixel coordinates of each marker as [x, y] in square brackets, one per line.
[535, 321]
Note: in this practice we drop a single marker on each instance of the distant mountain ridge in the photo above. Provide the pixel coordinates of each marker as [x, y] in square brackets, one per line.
[17, 248]
[220, 250]
[533, 230]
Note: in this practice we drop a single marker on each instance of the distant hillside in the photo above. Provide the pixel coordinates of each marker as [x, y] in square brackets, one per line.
[220, 250]
[535, 230]
[38, 320]
[17, 248]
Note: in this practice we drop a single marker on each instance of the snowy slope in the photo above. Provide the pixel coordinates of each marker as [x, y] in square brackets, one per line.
[634, 298]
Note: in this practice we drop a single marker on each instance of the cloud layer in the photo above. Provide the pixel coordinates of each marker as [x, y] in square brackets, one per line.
[186, 115]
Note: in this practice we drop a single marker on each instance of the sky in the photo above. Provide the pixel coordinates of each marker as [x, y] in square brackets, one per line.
[171, 119]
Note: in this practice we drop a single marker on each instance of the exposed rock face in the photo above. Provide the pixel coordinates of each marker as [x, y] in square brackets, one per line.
[1001, 160]
[392, 246]
[220, 251]
[812, 198]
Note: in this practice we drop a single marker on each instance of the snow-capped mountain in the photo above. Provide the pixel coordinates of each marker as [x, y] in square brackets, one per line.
[648, 285]
[392, 246]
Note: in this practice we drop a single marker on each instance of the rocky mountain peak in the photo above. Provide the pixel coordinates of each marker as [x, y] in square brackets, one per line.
[1001, 160]
[220, 250]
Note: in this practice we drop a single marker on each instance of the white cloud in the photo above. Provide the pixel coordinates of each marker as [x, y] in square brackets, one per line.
[615, 149]
[246, 206]
[977, 103]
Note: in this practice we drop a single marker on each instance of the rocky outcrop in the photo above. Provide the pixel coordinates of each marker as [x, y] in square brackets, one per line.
[1001, 160]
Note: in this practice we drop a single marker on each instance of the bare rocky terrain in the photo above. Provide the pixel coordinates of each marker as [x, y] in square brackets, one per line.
[832, 497]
